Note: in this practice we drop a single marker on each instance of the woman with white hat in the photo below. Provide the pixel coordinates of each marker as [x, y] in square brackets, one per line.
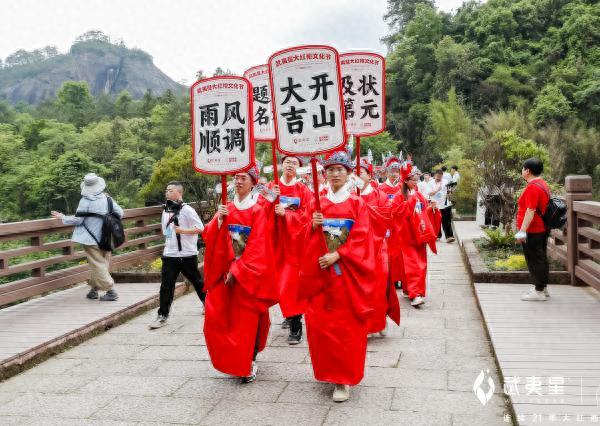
[88, 232]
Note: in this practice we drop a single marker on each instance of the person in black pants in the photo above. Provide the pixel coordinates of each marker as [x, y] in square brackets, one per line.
[181, 226]
[533, 233]
[438, 194]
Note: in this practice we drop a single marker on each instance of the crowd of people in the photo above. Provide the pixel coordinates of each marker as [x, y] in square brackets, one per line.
[334, 258]
[336, 263]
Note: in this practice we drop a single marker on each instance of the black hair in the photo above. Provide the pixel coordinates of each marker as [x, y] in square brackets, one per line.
[176, 183]
[444, 168]
[439, 171]
[534, 165]
[455, 167]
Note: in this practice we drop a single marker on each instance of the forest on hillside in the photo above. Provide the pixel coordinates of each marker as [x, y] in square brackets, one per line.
[483, 88]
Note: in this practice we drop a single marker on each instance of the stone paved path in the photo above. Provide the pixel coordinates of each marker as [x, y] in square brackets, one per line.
[421, 374]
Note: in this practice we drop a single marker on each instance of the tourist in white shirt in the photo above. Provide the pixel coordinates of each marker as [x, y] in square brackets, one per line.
[438, 193]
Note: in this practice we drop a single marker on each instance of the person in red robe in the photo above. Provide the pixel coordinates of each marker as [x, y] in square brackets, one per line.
[238, 274]
[290, 224]
[385, 299]
[338, 279]
[390, 187]
[408, 209]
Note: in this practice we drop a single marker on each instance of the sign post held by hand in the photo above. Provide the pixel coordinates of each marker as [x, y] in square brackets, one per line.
[363, 88]
[307, 101]
[264, 127]
[222, 131]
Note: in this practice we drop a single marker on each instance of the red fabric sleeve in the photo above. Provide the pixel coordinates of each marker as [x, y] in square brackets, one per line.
[218, 253]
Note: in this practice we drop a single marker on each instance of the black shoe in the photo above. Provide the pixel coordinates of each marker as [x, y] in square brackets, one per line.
[110, 296]
[286, 323]
[93, 294]
[398, 284]
[252, 376]
[294, 338]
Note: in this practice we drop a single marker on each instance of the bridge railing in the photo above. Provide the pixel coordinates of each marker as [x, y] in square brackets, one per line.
[578, 245]
[38, 256]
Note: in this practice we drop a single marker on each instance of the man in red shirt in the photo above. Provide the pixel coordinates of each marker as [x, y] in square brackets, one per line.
[533, 234]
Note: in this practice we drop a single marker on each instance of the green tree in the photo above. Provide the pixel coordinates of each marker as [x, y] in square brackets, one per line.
[551, 105]
[123, 104]
[75, 103]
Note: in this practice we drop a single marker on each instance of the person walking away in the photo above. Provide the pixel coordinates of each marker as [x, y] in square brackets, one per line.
[180, 225]
[533, 234]
[88, 233]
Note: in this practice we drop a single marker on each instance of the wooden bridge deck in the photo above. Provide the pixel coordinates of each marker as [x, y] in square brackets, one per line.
[548, 352]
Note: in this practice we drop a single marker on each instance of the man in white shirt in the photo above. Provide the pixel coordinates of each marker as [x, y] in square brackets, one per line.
[423, 185]
[455, 174]
[445, 175]
[438, 193]
[180, 225]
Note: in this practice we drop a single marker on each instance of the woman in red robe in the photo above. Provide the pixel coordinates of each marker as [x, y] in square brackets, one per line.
[290, 225]
[409, 214]
[238, 275]
[385, 299]
[390, 187]
[338, 277]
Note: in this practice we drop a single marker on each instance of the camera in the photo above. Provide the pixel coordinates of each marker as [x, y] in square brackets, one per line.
[174, 207]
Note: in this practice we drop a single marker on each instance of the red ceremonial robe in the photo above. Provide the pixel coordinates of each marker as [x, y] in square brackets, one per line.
[289, 244]
[385, 299]
[339, 297]
[395, 256]
[237, 316]
[413, 255]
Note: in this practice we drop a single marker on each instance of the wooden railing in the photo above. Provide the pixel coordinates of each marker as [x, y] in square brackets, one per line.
[578, 245]
[48, 260]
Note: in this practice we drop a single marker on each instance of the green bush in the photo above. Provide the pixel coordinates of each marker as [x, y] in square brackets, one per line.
[513, 263]
[498, 238]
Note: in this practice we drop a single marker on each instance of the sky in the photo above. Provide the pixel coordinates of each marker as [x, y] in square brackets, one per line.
[184, 36]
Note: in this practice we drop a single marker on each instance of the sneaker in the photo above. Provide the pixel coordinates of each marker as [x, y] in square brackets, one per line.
[110, 296]
[341, 393]
[534, 296]
[384, 332]
[450, 240]
[285, 324]
[92, 294]
[398, 284]
[252, 376]
[546, 292]
[159, 322]
[405, 295]
[417, 301]
[295, 338]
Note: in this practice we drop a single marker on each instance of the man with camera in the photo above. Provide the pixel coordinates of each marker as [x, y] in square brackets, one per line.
[181, 226]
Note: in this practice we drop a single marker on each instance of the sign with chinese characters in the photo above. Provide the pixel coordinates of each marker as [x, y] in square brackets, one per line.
[363, 88]
[222, 138]
[307, 100]
[264, 129]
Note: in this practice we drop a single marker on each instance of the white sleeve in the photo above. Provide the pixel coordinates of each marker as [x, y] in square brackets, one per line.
[193, 218]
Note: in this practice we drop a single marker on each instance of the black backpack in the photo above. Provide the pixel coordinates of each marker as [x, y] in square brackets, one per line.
[556, 211]
[112, 235]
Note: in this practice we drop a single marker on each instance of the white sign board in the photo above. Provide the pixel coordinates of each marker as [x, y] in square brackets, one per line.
[222, 139]
[363, 88]
[264, 129]
[307, 100]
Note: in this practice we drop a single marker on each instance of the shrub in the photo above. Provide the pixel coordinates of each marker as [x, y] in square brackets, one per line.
[498, 238]
[513, 263]
[156, 265]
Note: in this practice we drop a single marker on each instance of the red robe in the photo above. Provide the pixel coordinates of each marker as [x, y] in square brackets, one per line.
[395, 256]
[237, 316]
[289, 245]
[385, 299]
[339, 297]
[412, 255]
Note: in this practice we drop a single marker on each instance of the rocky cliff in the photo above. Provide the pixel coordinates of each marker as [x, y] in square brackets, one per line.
[106, 67]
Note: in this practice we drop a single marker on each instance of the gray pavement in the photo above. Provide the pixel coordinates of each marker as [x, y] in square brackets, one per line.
[421, 374]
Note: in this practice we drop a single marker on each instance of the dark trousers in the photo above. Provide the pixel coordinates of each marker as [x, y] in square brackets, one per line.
[534, 249]
[295, 323]
[171, 267]
[446, 223]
